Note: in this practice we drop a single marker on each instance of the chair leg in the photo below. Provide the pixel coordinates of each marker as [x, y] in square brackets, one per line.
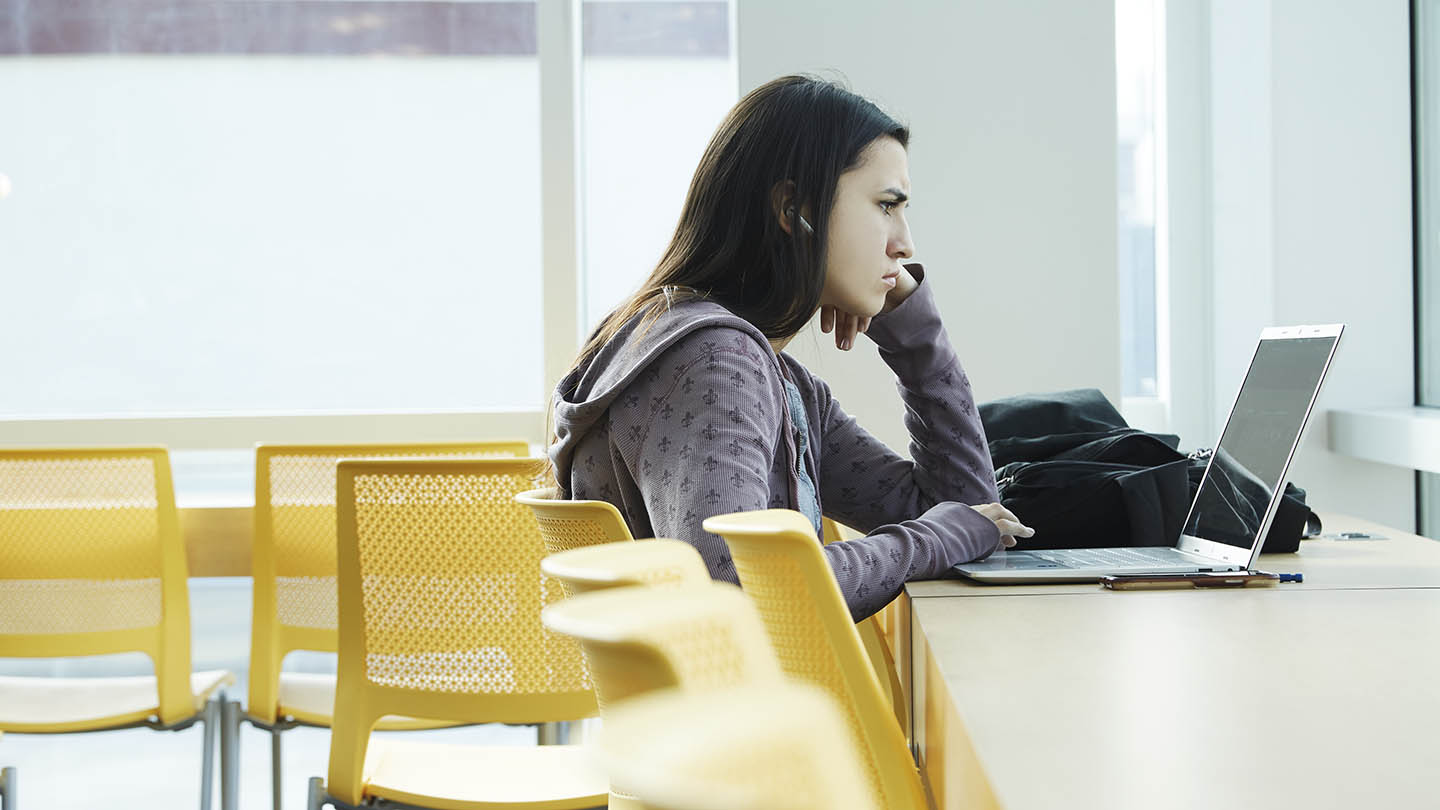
[315, 795]
[553, 733]
[7, 789]
[275, 762]
[209, 723]
[230, 755]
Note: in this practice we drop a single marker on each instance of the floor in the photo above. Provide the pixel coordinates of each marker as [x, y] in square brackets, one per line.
[140, 768]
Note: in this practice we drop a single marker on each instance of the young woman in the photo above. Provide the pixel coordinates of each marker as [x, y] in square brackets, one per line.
[681, 406]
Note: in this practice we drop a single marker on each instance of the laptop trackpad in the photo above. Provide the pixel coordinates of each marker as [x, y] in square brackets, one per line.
[1013, 561]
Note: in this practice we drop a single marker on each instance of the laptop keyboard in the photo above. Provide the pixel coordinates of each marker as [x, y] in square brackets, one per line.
[1116, 557]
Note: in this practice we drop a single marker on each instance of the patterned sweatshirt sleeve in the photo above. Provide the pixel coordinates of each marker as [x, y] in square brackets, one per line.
[915, 513]
[864, 483]
[698, 431]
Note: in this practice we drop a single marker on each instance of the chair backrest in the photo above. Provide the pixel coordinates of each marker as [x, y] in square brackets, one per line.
[91, 561]
[566, 525]
[767, 747]
[627, 563]
[783, 569]
[638, 640]
[831, 532]
[293, 548]
[877, 637]
[440, 592]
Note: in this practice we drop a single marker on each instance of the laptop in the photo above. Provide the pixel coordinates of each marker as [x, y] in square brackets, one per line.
[1240, 490]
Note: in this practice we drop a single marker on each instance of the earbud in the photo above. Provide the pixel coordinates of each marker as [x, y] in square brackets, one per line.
[803, 223]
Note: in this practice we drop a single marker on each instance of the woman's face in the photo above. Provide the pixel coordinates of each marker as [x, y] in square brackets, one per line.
[869, 237]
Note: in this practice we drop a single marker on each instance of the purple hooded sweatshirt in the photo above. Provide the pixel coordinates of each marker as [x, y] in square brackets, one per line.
[689, 418]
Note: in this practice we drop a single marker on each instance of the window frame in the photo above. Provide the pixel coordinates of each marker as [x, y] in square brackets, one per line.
[1426, 274]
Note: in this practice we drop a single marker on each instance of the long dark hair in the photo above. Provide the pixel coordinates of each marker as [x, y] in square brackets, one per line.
[728, 246]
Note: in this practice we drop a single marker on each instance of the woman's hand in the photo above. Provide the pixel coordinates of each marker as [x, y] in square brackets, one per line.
[846, 325]
[1010, 526]
[843, 324]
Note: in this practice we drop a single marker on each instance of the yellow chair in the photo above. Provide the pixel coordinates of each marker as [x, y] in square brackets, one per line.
[783, 569]
[651, 640]
[440, 592]
[627, 563]
[293, 566]
[92, 563]
[624, 564]
[639, 640]
[876, 637]
[766, 747]
[566, 525]
[574, 525]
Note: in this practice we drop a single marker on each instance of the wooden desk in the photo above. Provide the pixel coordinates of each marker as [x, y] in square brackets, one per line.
[1069, 696]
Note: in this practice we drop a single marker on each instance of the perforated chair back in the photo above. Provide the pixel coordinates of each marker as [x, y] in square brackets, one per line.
[638, 640]
[771, 747]
[783, 569]
[627, 563]
[293, 550]
[877, 636]
[567, 525]
[440, 592]
[91, 562]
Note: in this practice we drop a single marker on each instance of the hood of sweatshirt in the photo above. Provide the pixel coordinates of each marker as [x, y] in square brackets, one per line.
[582, 398]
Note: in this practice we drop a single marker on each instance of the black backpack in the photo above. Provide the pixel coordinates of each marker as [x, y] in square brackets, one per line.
[1069, 467]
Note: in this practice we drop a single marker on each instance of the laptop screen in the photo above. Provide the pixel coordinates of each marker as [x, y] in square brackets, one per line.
[1255, 447]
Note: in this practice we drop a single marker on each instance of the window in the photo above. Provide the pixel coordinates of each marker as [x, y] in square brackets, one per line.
[658, 79]
[1139, 109]
[272, 206]
[1426, 21]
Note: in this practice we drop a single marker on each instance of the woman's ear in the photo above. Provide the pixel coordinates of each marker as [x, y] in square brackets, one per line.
[782, 205]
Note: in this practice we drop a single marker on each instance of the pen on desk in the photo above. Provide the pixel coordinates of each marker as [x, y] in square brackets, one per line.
[1203, 579]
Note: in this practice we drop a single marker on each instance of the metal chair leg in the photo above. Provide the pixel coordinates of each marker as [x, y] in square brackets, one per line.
[275, 762]
[7, 789]
[553, 733]
[230, 755]
[209, 723]
[315, 794]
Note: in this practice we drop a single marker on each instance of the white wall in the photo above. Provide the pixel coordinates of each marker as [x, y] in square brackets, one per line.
[1290, 196]
[1311, 214]
[1012, 161]
[1343, 248]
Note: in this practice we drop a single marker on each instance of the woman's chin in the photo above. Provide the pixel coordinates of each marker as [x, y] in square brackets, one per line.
[865, 306]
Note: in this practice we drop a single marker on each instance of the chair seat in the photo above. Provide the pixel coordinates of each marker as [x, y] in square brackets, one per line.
[310, 698]
[41, 705]
[467, 777]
